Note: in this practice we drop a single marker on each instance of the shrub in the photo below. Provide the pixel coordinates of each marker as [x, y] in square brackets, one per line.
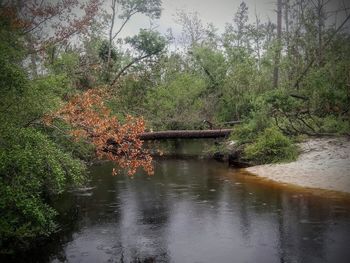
[271, 146]
[32, 169]
[177, 104]
[248, 131]
[332, 124]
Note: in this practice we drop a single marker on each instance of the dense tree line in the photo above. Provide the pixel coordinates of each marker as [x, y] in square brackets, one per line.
[283, 79]
[224, 77]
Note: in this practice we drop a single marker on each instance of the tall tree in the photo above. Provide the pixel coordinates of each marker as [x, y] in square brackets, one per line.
[125, 10]
[193, 31]
[240, 19]
[320, 17]
[286, 23]
[278, 44]
[146, 44]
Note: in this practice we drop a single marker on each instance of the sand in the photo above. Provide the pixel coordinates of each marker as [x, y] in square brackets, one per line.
[323, 164]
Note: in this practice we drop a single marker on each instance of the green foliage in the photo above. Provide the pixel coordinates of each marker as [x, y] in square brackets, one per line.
[21, 105]
[33, 167]
[328, 87]
[58, 135]
[271, 146]
[258, 118]
[130, 97]
[176, 105]
[248, 131]
[103, 51]
[150, 8]
[147, 42]
[262, 141]
[66, 64]
[278, 100]
[237, 92]
[219, 78]
[213, 65]
[333, 124]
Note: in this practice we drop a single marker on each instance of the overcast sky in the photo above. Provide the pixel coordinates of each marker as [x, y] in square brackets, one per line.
[218, 12]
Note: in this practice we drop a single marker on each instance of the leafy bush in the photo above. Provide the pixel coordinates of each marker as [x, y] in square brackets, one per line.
[248, 131]
[32, 168]
[328, 87]
[332, 124]
[177, 104]
[271, 146]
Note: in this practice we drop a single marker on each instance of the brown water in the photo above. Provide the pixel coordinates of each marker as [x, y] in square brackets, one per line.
[195, 211]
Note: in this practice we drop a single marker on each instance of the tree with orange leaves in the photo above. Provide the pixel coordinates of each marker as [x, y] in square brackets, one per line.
[118, 142]
[45, 23]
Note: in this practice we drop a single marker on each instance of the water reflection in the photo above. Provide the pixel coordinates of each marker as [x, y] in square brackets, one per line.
[196, 211]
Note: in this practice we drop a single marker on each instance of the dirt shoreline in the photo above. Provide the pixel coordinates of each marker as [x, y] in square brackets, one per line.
[323, 164]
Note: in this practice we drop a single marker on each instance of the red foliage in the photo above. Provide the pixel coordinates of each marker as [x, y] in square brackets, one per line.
[92, 120]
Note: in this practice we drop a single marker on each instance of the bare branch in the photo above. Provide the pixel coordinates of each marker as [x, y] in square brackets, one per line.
[129, 65]
[302, 75]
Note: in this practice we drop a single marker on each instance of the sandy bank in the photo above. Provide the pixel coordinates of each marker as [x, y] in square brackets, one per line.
[324, 164]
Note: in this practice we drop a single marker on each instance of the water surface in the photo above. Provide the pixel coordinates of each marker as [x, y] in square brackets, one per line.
[196, 211]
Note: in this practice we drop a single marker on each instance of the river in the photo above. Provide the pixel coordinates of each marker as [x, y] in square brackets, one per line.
[196, 210]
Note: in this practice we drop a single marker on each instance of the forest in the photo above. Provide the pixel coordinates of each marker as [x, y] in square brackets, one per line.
[74, 88]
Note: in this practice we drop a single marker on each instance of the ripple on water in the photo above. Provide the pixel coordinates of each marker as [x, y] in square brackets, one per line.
[204, 213]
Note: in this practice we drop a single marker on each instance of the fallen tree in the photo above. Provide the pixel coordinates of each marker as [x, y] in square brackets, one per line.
[185, 134]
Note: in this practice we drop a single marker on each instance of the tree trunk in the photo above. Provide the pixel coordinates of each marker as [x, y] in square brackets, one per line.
[320, 26]
[286, 21]
[279, 44]
[32, 56]
[257, 39]
[111, 35]
[185, 134]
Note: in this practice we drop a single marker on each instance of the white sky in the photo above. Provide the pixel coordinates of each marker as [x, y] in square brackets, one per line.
[218, 12]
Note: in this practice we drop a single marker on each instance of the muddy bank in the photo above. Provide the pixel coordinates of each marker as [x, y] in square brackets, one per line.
[324, 164]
